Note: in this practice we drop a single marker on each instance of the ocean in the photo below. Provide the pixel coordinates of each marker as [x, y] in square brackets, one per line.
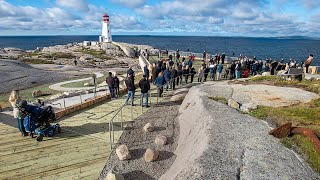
[275, 48]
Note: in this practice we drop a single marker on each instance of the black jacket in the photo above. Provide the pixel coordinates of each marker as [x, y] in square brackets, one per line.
[129, 84]
[144, 85]
[116, 82]
[110, 81]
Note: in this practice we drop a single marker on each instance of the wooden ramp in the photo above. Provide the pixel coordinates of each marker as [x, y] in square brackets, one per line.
[79, 152]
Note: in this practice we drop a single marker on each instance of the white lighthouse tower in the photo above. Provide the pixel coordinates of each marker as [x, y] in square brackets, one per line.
[106, 32]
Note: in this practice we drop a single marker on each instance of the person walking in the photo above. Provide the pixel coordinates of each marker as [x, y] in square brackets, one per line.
[111, 85]
[145, 87]
[131, 89]
[159, 82]
[308, 63]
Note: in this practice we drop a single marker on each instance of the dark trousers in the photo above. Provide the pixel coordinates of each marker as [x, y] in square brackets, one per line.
[116, 91]
[111, 89]
[307, 68]
[192, 76]
[159, 91]
[173, 84]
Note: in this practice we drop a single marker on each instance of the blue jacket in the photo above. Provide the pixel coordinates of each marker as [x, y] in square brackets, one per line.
[220, 67]
[159, 81]
[166, 74]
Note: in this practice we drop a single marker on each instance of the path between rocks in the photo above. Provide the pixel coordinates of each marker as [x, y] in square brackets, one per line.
[58, 86]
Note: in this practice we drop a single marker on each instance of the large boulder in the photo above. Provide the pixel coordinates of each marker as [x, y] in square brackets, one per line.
[151, 155]
[123, 153]
[148, 127]
[126, 49]
[266, 74]
[2, 51]
[161, 140]
[234, 104]
[281, 72]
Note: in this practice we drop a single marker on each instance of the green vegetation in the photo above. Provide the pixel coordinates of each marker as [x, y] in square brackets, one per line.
[58, 55]
[219, 99]
[96, 53]
[36, 61]
[306, 147]
[27, 94]
[262, 78]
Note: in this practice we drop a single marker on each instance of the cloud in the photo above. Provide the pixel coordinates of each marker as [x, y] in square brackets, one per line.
[129, 3]
[81, 5]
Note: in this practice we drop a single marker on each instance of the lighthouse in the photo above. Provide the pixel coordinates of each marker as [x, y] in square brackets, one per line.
[106, 32]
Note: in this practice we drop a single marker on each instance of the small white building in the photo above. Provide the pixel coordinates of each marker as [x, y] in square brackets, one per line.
[106, 31]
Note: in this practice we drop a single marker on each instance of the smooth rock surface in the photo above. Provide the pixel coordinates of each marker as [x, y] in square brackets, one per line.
[218, 142]
[123, 152]
[266, 74]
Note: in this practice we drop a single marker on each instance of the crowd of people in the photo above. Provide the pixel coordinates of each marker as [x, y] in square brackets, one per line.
[167, 74]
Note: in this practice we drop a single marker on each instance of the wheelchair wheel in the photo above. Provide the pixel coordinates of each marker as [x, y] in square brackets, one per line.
[50, 132]
[40, 138]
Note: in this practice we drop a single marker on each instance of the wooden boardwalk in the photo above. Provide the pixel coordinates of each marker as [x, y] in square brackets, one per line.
[79, 152]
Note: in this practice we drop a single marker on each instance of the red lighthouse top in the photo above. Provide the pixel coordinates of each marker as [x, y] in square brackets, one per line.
[105, 18]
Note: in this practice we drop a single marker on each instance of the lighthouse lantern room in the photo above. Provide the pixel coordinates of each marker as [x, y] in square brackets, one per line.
[106, 32]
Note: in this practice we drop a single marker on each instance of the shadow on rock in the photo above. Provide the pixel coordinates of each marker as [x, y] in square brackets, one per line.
[164, 155]
[137, 153]
[135, 175]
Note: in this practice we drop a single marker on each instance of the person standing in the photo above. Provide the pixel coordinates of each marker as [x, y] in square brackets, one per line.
[192, 73]
[159, 82]
[185, 73]
[232, 70]
[238, 70]
[146, 71]
[14, 100]
[131, 73]
[179, 74]
[223, 57]
[173, 76]
[308, 62]
[200, 74]
[167, 75]
[145, 87]
[111, 85]
[116, 85]
[205, 72]
[131, 89]
[154, 74]
[219, 70]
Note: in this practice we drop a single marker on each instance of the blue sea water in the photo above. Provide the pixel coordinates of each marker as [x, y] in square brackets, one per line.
[275, 48]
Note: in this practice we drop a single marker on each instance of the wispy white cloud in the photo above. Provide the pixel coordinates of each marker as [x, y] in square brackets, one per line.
[129, 3]
[81, 5]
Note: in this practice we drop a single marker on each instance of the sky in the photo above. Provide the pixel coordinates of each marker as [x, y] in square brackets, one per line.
[250, 18]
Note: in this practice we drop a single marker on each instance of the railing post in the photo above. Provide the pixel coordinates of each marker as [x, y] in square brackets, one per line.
[64, 103]
[80, 98]
[121, 120]
[110, 134]
[141, 101]
[131, 113]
